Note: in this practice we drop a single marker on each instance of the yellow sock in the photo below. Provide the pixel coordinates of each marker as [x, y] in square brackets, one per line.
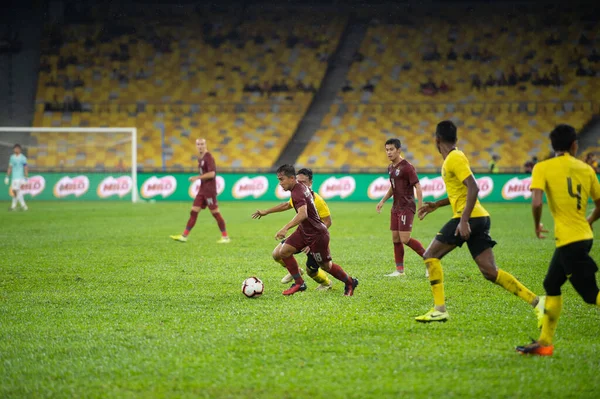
[598, 299]
[319, 276]
[511, 284]
[436, 279]
[550, 321]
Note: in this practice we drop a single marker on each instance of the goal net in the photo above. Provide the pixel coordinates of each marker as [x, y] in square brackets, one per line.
[103, 159]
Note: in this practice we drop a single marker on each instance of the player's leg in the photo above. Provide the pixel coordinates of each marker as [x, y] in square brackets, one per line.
[316, 273]
[398, 255]
[480, 245]
[15, 189]
[19, 194]
[277, 257]
[286, 253]
[405, 230]
[552, 308]
[214, 211]
[199, 203]
[320, 250]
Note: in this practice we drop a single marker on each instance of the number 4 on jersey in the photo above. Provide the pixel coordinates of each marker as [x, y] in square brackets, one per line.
[572, 194]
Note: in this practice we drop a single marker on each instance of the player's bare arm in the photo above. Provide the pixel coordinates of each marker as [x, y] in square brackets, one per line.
[463, 227]
[26, 169]
[595, 214]
[8, 172]
[299, 218]
[419, 192]
[536, 208]
[204, 176]
[327, 221]
[430, 207]
[386, 197]
[284, 206]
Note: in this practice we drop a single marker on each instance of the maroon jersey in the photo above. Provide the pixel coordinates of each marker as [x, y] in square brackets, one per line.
[403, 177]
[311, 227]
[207, 164]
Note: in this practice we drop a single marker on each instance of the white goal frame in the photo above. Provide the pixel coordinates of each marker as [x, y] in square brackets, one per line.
[131, 130]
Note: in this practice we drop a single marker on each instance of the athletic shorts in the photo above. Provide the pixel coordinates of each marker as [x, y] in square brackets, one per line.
[319, 247]
[311, 263]
[204, 201]
[16, 184]
[402, 220]
[479, 240]
[574, 258]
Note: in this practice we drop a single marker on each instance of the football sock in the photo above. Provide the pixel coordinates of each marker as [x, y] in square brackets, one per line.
[292, 266]
[436, 279]
[20, 198]
[221, 223]
[399, 256]
[416, 246]
[598, 299]
[550, 321]
[319, 276]
[191, 223]
[14, 202]
[336, 271]
[511, 284]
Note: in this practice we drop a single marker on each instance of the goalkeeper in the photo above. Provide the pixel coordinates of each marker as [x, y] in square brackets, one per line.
[17, 170]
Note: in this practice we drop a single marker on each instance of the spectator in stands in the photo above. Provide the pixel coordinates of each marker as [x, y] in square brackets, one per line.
[590, 159]
[493, 165]
[429, 88]
[266, 89]
[502, 81]
[530, 164]
[432, 55]
[490, 82]
[300, 86]
[555, 77]
[78, 82]
[444, 88]
[594, 56]
[452, 56]
[141, 74]
[347, 87]
[476, 82]
[512, 77]
[370, 87]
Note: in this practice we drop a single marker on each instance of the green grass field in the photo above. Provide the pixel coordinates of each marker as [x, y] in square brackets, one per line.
[97, 301]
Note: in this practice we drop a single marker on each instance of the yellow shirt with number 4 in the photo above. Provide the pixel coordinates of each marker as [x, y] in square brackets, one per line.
[569, 184]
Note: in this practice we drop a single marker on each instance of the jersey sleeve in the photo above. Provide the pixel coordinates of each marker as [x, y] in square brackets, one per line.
[538, 180]
[298, 198]
[24, 160]
[322, 207]
[412, 176]
[595, 187]
[459, 166]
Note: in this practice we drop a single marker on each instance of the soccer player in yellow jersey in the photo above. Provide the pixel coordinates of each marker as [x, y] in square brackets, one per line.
[304, 176]
[470, 223]
[568, 183]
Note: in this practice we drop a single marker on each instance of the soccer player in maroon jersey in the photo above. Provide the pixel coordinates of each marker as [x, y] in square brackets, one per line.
[311, 232]
[207, 195]
[403, 183]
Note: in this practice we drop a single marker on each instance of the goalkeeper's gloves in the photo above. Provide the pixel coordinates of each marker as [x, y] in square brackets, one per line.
[6, 180]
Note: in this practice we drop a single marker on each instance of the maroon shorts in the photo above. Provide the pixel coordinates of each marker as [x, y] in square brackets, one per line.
[319, 247]
[203, 201]
[402, 220]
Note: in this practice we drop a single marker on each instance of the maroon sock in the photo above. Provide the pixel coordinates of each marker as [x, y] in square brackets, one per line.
[191, 223]
[292, 266]
[416, 246]
[399, 255]
[336, 271]
[220, 222]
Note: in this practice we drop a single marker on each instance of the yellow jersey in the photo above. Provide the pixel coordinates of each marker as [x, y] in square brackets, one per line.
[455, 170]
[320, 204]
[568, 183]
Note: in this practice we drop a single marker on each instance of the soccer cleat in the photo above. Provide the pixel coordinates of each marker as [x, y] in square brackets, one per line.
[535, 348]
[288, 277]
[349, 288]
[25, 208]
[433, 315]
[426, 273]
[294, 288]
[324, 287]
[397, 273]
[179, 238]
[539, 310]
[224, 240]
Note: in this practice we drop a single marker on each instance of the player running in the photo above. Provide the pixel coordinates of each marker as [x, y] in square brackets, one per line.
[470, 223]
[304, 176]
[568, 183]
[403, 183]
[18, 172]
[207, 195]
[311, 232]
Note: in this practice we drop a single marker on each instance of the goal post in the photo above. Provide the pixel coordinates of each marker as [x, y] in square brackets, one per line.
[75, 149]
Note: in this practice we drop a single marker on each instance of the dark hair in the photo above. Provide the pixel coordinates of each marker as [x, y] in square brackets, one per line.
[562, 137]
[17, 145]
[446, 131]
[287, 170]
[395, 142]
[306, 172]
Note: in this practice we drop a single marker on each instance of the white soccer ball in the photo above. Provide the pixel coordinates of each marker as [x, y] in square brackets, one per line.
[253, 287]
